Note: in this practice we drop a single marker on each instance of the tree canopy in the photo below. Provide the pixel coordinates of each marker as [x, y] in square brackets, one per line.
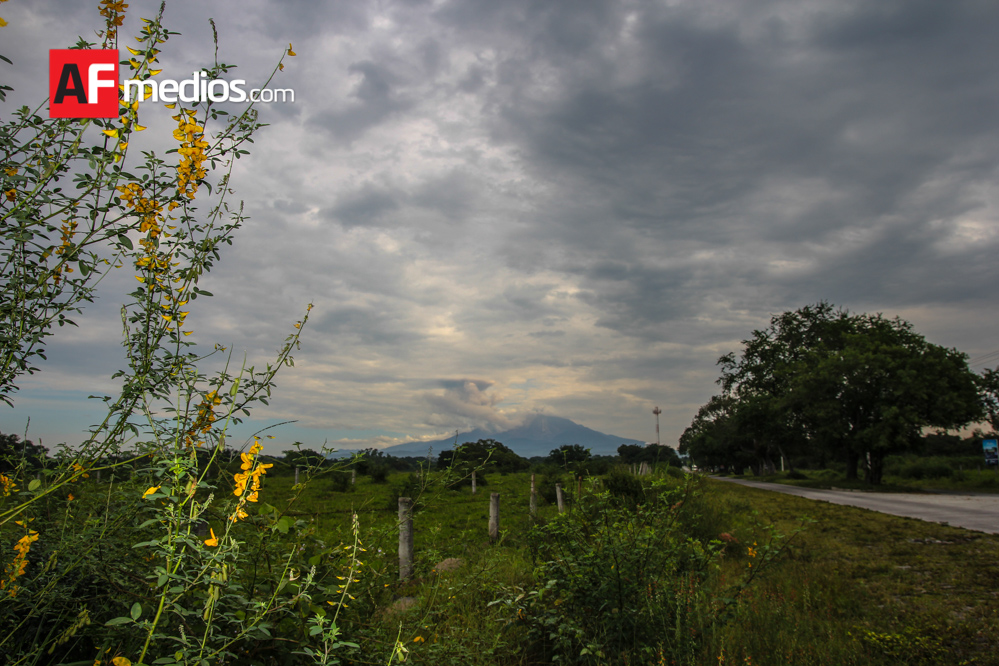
[855, 386]
[569, 455]
[487, 453]
[651, 453]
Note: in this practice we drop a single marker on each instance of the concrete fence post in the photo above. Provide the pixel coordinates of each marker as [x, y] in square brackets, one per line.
[579, 487]
[559, 498]
[405, 538]
[473, 481]
[534, 498]
[296, 475]
[353, 477]
[494, 517]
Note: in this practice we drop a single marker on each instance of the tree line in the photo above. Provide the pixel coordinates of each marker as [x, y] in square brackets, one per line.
[822, 384]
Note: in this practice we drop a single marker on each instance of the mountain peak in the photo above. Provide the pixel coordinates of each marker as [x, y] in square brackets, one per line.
[536, 436]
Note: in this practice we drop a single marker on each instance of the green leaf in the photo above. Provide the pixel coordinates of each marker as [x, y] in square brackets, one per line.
[34, 485]
[283, 524]
[136, 611]
[118, 620]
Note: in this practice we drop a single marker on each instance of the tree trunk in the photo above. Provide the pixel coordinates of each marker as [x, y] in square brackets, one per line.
[875, 468]
[852, 460]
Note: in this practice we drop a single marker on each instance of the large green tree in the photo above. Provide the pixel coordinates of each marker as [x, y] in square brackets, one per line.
[485, 453]
[988, 388]
[712, 440]
[860, 386]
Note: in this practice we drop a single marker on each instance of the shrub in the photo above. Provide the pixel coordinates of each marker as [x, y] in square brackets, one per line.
[926, 469]
[378, 472]
[617, 585]
[626, 487]
[340, 481]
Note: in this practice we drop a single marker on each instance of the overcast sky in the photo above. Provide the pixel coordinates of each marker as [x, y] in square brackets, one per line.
[502, 208]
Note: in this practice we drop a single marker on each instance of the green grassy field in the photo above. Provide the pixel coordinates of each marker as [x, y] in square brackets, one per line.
[852, 586]
[969, 479]
[706, 573]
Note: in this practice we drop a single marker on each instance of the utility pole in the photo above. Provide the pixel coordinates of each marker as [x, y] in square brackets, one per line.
[657, 412]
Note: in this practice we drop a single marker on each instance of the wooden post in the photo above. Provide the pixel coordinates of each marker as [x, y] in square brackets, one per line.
[296, 475]
[560, 498]
[579, 487]
[473, 481]
[494, 517]
[534, 498]
[405, 538]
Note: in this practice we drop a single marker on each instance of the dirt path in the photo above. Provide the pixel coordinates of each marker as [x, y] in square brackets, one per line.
[973, 512]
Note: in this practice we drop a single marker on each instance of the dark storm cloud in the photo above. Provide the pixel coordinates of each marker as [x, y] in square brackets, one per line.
[368, 206]
[591, 200]
[375, 99]
[871, 103]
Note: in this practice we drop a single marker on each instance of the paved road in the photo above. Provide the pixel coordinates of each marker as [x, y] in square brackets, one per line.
[973, 512]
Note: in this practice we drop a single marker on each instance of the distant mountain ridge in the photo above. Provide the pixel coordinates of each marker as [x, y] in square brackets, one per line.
[537, 436]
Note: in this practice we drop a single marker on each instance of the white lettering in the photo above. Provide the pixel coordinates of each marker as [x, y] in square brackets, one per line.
[193, 82]
[140, 92]
[222, 96]
[94, 84]
[168, 91]
[236, 92]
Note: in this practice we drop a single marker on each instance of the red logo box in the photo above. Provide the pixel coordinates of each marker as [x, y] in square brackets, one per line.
[83, 83]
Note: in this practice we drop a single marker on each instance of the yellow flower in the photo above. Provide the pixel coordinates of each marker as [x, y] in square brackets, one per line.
[121, 661]
[150, 491]
[213, 541]
[290, 52]
[419, 639]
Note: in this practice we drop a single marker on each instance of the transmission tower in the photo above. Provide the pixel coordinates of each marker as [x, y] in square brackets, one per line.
[657, 412]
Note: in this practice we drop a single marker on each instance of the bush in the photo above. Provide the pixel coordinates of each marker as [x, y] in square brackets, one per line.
[378, 472]
[926, 469]
[626, 487]
[340, 481]
[617, 585]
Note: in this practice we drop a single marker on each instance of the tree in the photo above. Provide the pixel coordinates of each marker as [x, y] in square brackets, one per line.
[714, 441]
[876, 390]
[651, 453]
[569, 454]
[485, 453]
[861, 386]
[299, 457]
[988, 389]
[16, 453]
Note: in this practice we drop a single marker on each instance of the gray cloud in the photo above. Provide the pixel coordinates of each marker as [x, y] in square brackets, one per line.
[587, 203]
